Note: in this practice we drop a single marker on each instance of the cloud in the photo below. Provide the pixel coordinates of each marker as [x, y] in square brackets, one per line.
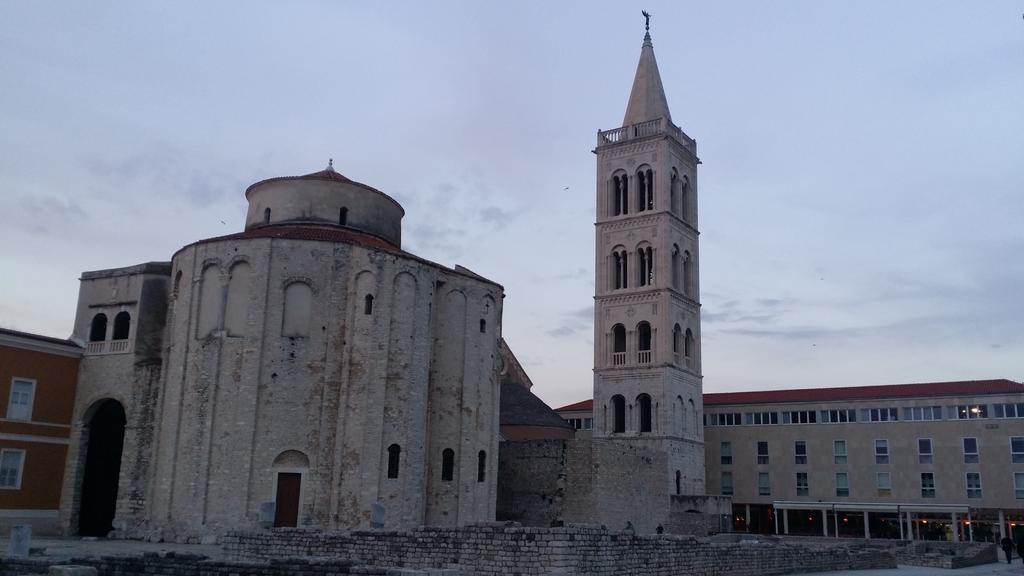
[496, 216]
[562, 331]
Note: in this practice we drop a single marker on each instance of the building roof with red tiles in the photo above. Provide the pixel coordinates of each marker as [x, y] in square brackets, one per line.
[929, 389]
[959, 388]
[577, 407]
[332, 234]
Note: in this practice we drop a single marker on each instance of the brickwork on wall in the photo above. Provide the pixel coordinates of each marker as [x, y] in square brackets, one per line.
[602, 481]
[487, 549]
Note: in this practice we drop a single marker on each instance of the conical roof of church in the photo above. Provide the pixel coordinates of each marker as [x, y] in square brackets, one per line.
[647, 99]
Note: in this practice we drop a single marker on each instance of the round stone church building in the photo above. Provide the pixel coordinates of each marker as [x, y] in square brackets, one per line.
[303, 372]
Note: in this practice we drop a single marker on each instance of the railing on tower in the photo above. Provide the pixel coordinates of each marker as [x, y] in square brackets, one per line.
[643, 130]
[643, 357]
[618, 358]
[107, 347]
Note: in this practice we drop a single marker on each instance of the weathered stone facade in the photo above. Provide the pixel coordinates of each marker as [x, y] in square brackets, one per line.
[303, 359]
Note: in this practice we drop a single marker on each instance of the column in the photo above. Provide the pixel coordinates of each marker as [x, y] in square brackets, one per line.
[785, 521]
[835, 519]
[970, 527]
[910, 528]
[776, 515]
[899, 520]
[1002, 526]
[747, 518]
[867, 526]
[955, 532]
[824, 522]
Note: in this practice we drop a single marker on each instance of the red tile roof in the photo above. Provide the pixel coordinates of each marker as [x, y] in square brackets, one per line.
[310, 233]
[579, 406]
[963, 388]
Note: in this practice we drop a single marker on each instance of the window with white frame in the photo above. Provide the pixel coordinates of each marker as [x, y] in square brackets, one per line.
[1018, 485]
[842, 484]
[881, 451]
[762, 452]
[927, 485]
[727, 453]
[800, 452]
[839, 451]
[923, 413]
[802, 487]
[1015, 410]
[764, 484]
[883, 482]
[879, 414]
[973, 485]
[726, 483]
[924, 451]
[971, 411]
[19, 407]
[11, 464]
[1017, 449]
[838, 416]
[970, 450]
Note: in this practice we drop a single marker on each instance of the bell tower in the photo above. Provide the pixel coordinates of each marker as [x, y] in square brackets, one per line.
[647, 365]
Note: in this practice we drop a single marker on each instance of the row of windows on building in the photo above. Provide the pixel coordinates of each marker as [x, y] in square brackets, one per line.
[342, 216]
[447, 463]
[683, 345]
[98, 327]
[909, 414]
[925, 455]
[644, 196]
[580, 423]
[883, 484]
[643, 255]
[645, 413]
[223, 308]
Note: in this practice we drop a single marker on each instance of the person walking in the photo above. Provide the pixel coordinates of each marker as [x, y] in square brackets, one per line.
[1007, 545]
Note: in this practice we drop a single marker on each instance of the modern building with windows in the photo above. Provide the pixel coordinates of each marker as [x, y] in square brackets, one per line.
[940, 460]
[37, 390]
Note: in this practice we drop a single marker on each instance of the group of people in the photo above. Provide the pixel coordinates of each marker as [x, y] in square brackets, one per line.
[1007, 546]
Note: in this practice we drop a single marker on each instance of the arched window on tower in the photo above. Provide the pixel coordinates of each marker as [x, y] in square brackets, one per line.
[447, 465]
[687, 274]
[266, 216]
[620, 196]
[675, 266]
[645, 264]
[649, 182]
[620, 260]
[677, 343]
[673, 183]
[98, 328]
[618, 414]
[643, 341]
[368, 304]
[684, 197]
[122, 325]
[618, 345]
[643, 403]
[641, 191]
[394, 453]
[688, 348]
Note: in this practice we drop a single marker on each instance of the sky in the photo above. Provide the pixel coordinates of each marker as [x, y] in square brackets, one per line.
[860, 195]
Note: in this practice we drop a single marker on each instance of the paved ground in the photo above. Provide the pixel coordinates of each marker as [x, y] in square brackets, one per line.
[80, 547]
[62, 548]
[1000, 569]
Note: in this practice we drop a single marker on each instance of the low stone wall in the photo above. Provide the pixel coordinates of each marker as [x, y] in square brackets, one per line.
[572, 550]
[947, 555]
[182, 565]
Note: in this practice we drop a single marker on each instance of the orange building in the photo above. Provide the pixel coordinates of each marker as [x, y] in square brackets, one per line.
[37, 392]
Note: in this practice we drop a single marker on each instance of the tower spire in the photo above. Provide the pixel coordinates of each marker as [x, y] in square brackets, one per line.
[647, 98]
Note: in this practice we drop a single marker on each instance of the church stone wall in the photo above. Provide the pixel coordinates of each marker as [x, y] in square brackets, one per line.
[415, 371]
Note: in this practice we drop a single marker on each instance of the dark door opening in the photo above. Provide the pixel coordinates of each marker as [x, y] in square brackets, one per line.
[102, 469]
[286, 513]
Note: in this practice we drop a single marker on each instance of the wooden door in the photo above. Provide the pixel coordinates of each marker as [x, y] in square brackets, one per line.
[286, 513]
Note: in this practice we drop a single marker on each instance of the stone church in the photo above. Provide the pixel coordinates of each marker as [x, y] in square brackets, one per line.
[309, 372]
[304, 372]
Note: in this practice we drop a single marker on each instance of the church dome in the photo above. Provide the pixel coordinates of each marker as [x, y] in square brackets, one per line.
[324, 198]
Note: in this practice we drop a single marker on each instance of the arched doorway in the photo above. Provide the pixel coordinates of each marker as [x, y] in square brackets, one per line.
[104, 432]
[288, 468]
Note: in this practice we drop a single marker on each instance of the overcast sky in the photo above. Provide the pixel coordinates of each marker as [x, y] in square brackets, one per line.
[861, 192]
